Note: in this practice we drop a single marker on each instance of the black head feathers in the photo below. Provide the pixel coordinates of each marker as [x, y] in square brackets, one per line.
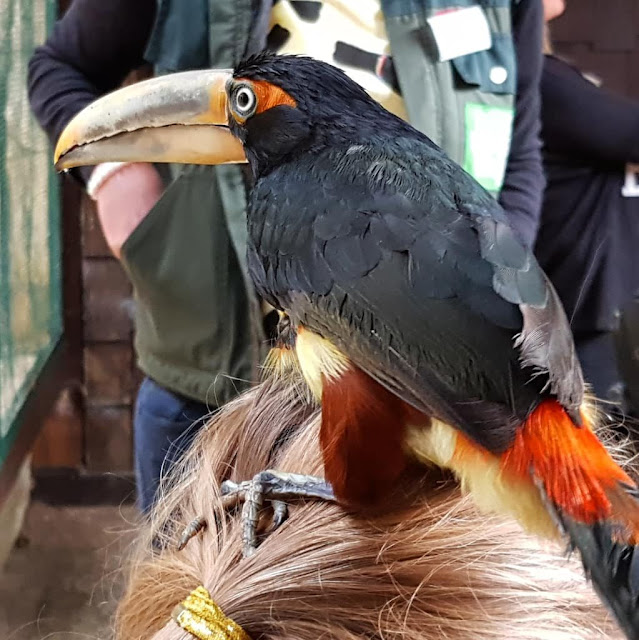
[304, 78]
[331, 110]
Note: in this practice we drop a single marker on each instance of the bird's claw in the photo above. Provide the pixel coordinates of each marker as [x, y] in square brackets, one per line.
[274, 487]
[190, 531]
[280, 513]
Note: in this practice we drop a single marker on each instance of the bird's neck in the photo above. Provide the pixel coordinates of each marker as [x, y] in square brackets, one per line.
[293, 137]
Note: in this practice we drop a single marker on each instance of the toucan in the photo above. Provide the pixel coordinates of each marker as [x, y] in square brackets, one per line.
[423, 326]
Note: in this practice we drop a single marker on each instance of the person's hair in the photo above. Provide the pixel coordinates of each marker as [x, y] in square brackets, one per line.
[431, 568]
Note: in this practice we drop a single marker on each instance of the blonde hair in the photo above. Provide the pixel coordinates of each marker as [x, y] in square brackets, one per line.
[431, 568]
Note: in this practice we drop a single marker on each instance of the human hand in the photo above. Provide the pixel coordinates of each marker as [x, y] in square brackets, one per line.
[124, 199]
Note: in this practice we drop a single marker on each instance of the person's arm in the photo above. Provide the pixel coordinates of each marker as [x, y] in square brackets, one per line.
[524, 182]
[89, 52]
[581, 119]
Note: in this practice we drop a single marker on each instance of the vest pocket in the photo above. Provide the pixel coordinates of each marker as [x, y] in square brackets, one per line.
[493, 70]
[163, 207]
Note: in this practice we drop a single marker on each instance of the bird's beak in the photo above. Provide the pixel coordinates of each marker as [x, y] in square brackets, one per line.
[175, 118]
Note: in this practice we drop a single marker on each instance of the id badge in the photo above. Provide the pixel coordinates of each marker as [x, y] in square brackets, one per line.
[459, 32]
[488, 135]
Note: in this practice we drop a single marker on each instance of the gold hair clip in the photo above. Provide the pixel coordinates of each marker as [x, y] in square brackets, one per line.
[203, 619]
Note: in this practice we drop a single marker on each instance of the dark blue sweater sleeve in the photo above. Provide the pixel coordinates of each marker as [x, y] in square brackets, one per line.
[524, 182]
[584, 121]
[89, 52]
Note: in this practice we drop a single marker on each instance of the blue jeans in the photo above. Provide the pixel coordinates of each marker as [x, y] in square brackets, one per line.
[164, 425]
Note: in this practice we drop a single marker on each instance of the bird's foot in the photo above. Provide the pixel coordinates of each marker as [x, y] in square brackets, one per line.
[274, 487]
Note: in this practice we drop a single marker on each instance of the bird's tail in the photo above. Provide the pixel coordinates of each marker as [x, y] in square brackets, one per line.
[612, 567]
[574, 470]
[592, 499]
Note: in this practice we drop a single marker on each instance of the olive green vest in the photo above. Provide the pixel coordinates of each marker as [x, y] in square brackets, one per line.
[198, 324]
[444, 99]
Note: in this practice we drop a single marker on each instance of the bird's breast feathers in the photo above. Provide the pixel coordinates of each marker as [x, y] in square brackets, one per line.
[319, 360]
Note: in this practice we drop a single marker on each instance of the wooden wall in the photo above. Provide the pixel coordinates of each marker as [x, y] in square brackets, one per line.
[602, 37]
[90, 431]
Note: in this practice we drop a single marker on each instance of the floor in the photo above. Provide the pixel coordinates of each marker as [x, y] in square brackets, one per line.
[62, 579]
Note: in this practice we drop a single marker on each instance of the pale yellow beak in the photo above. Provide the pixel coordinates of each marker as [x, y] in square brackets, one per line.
[180, 117]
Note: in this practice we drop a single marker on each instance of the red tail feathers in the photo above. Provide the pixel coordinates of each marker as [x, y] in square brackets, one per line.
[577, 473]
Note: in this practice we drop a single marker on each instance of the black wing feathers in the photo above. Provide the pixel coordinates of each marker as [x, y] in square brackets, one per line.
[401, 259]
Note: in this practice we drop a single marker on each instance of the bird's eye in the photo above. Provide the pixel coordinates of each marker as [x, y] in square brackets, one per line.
[244, 101]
